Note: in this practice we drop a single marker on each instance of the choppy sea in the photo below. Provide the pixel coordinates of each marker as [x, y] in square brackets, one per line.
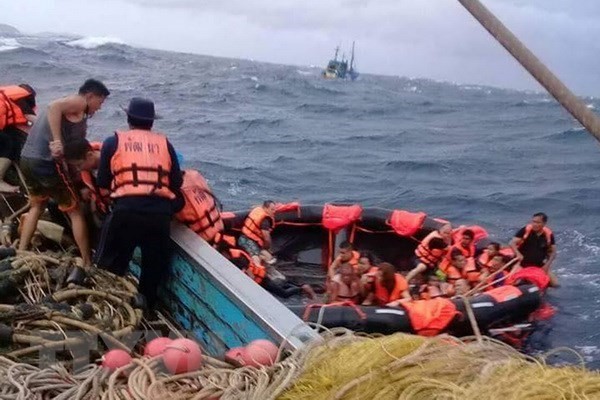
[467, 153]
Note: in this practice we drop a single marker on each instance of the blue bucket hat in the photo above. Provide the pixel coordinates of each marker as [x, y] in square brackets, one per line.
[141, 108]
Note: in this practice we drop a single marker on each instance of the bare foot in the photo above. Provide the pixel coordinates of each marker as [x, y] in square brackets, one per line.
[6, 188]
[309, 291]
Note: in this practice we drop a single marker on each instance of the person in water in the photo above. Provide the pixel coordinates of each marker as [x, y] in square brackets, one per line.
[256, 233]
[17, 114]
[279, 287]
[43, 166]
[140, 168]
[345, 285]
[534, 244]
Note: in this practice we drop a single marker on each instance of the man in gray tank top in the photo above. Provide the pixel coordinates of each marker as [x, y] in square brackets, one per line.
[43, 163]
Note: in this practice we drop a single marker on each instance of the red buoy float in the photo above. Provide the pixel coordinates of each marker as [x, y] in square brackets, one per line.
[116, 358]
[182, 355]
[157, 346]
[235, 356]
[260, 352]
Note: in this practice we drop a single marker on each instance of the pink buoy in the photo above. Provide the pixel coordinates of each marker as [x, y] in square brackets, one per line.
[235, 356]
[116, 359]
[157, 346]
[182, 355]
[260, 352]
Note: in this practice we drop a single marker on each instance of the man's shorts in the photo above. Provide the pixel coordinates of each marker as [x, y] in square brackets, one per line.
[11, 143]
[45, 182]
[248, 245]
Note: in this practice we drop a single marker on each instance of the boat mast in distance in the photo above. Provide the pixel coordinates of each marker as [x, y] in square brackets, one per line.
[338, 69]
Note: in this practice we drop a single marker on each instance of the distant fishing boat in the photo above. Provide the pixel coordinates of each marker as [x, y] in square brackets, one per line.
[339, 69]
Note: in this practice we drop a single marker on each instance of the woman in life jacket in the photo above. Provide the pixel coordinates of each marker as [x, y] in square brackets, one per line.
[345, 286]
[429, 254]
[491, 251]
[389, 286]
[366, 271]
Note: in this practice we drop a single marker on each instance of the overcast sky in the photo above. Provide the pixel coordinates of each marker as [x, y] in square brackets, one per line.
[417, 38]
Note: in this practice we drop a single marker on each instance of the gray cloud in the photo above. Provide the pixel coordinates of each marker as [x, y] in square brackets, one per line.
[424, 38]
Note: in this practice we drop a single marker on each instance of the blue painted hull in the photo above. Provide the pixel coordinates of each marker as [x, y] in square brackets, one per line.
[217, 304]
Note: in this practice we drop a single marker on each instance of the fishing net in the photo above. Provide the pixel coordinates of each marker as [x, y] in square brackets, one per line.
[343, 365]
[41, 315]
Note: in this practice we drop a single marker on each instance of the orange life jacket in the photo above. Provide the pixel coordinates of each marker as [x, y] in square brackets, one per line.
[10, 112]
[382, 296]
[484, 259]
[201, 210]
[251, 227]
[470, 272]
[102, 201]
[504, 293]
[429, 257]
[430, 317]
[547, 232]
[469, 253]
[258, 271]
[448, 273]
[141, 165]
[534, 275]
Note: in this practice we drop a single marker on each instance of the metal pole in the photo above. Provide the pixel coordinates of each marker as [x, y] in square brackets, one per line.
[535, 67]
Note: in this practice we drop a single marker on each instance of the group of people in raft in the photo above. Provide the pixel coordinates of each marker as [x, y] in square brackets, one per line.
[132, 186]
[447, 264]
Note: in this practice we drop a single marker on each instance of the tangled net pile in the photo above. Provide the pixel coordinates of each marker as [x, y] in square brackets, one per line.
[342, 366]
[40, 313]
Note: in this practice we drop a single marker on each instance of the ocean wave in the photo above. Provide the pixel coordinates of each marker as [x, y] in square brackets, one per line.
[8, 44]
[533, 102]
[572, 133]
[426, 166]
[304, 73]
[319, 89]
[260, 122]
[93, 42]
[322, 108]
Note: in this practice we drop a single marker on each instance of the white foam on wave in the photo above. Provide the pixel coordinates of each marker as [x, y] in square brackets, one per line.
[94, 42]
[7, 44]
[301, 72]
[588, 352]
[584, 243]
[590, 106]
